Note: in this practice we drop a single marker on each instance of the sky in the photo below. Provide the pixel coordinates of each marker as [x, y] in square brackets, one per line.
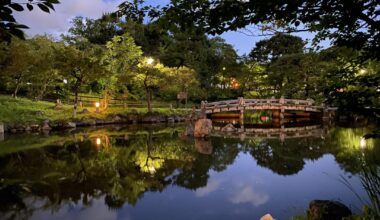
[58, 21]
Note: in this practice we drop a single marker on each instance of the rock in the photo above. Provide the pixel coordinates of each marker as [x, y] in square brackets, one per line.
[70, 125]
[327, 209]
[35, 127]
[189, 130]
[229, 128]
[58, 104]
[202, 128]
[153, 119]
[133, 118]
[20, 128]
[28, 128]
[171, 119]
[45, 126]
[267, 217]
[177, 118]
[85, 111]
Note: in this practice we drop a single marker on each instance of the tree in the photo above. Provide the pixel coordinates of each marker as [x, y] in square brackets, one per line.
[80, 67]
[8, 24]
[20, 62]
[353, 24]
[98, 31]
[121, 58]
[45, 71]
[149, 75]
[275, 47]
[182, 79]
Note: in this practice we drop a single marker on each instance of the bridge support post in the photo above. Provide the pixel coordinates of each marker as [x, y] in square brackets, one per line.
[241, 119]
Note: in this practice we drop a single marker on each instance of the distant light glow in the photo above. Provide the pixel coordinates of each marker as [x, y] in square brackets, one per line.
[150, 61]
[97, 104]
[65, 81]
[98, 141]
[362, 71]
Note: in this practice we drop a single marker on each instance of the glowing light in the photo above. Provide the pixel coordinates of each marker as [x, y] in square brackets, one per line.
[234, 84]
[65, 81]
[362, 71]
[97, 104]
[150, 61]
[224, 68]
[363, 142]
[98, 141]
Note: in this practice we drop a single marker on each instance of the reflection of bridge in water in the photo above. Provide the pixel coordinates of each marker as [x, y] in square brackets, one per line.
[273, 133]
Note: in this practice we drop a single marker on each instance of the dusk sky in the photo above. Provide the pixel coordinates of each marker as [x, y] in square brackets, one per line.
[59, 21]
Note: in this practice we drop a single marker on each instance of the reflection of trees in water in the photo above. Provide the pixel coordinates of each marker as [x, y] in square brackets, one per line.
[79, 170]
[287, 157]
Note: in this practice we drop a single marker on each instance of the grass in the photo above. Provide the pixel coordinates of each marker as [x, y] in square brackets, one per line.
[22, 110]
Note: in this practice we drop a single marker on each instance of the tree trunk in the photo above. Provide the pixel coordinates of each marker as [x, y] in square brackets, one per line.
[16, 91]
[148, 99]
[18, 85]
[75, 104]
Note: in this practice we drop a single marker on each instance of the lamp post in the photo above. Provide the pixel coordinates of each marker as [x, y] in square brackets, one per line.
[150, 61]
[97, 105]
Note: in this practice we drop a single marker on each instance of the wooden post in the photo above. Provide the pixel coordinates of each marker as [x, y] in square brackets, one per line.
[282, 112]
[1, 131]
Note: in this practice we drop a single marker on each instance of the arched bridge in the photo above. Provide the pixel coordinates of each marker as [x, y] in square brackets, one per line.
[240, 104]
[278, 107]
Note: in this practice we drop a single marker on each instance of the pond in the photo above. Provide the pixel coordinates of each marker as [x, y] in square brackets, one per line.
[154, 173]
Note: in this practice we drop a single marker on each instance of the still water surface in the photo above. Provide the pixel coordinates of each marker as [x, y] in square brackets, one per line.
[154, 173]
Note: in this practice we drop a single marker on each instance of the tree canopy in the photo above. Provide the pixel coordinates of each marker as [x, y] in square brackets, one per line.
[353, 24]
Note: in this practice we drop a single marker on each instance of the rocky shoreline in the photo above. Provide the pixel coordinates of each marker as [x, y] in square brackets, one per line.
[48, 125]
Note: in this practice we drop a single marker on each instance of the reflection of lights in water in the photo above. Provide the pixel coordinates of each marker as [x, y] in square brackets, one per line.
[363, 142]
[98, 141]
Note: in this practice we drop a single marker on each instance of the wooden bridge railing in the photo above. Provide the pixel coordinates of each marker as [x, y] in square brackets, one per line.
[241, 102]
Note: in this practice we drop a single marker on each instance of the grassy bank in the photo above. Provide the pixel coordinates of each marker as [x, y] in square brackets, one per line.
[21, 110]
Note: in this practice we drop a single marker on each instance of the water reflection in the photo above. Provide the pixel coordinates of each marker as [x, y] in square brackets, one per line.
[120, 166]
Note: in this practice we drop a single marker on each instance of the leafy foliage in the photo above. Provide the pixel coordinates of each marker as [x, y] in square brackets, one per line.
[9, 26]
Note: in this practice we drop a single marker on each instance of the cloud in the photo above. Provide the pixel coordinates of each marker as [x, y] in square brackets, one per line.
[212, 186]
[248, 195]
[58, 21]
